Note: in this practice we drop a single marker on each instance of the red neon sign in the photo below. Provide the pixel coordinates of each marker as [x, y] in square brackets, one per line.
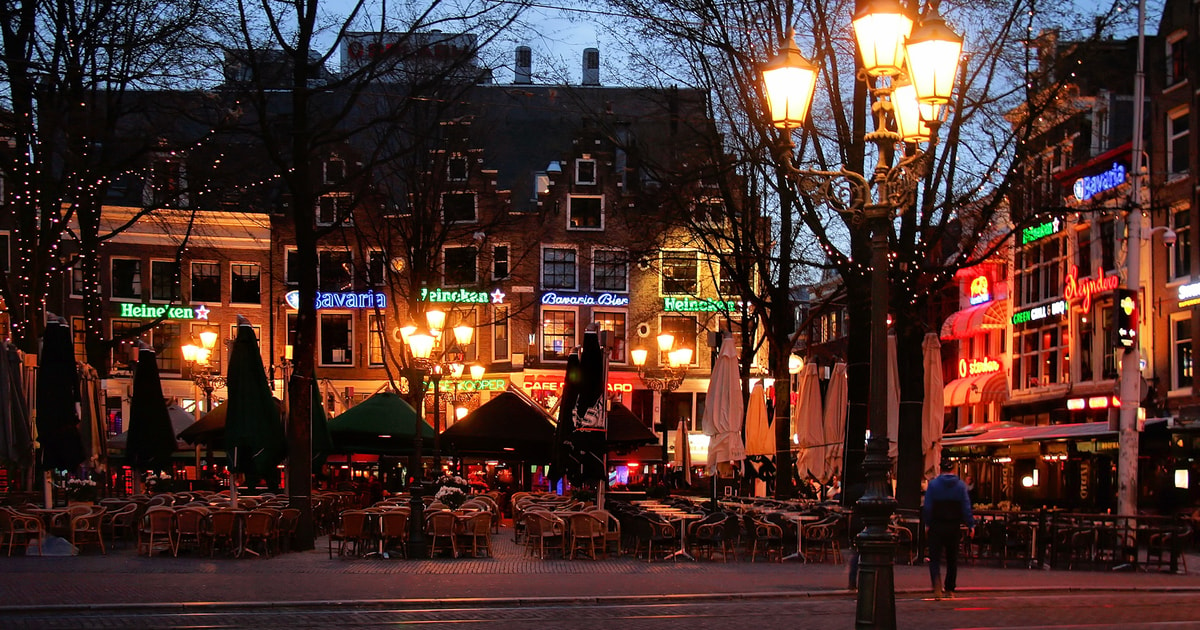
[534, 383]
[974, 367]
[979, 291]
[1074, 288]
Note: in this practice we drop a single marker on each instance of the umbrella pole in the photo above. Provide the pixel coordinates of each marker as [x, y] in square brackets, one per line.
[48, 489]
[233, 482]
[603, 484]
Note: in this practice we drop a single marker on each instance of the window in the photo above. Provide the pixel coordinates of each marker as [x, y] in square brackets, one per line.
[76, 272]
[1181, 251]
[499, 262]
[460, 267]
[1083, 250]
[336, 338]
[726, 283]
[335, 269]
[609, 271]
[335, 171]
[1040, 357]
[291, 267]
[683, 328]
[376, 268]
[168, 348]
[1111, 365]
[456, 168]
[166, 184]
[333, 209]
[79, 339]
[125, 349]
[292, 322]
[558, 334]
[1108, 247]
[585, 171]
[5, 257]
[244, 285]
[586, 213]
[1177, 54]
[377, 325]
[500, 346]
[206, 282]
[558, 268]
[1177, 141]
[458, 207]
[679, 272]
[1181, 355]
[615, 324]
[126, 278]
[164, 280]
[1038, 271]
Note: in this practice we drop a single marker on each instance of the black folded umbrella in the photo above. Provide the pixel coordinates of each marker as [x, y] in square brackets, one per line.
[61, 445]
[151, 440]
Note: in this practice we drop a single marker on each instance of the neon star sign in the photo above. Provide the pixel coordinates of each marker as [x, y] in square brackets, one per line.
[461, 296]
[151, 311]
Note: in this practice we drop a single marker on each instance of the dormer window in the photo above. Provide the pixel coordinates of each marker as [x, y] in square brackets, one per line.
[334, 209]
[335, 171]
[585, 171]
[456, 168]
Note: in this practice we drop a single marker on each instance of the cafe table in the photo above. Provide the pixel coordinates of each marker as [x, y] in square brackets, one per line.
[799, 519]
[682, 518]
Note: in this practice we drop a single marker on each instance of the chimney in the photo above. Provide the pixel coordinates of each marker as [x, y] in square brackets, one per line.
[524, 68]
[591, 66]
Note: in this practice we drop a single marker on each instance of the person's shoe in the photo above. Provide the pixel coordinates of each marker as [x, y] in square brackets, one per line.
[937, 588]
[948, 595]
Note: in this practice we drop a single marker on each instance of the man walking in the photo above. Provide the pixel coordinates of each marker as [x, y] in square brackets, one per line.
[947, 506]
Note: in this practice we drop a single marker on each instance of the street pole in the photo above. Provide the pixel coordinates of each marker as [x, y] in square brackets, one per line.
[416, 519]
[1131, 369]
[437, 422]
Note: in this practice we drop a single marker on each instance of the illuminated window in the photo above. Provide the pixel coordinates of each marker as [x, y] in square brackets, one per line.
[377, 325]
[1181, 355]
[335, 332]
[680, 270]
[558, 334]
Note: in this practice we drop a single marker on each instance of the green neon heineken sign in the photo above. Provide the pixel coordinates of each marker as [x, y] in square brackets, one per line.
[1035, 232]
[693, 305]
[462, 296]
[151, 311]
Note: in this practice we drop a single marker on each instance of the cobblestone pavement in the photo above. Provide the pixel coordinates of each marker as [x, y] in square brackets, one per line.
[123, 578]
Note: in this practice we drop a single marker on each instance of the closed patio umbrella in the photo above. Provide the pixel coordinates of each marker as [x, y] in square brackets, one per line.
[760, 439]
[590, 414]
[807, 423]
[151, 440]
[16, 433]
[837, 402]
[561, 457]
[254, 436]
[933, 410]
[723, 414]
[57, 407]
[683, 451]
[92, 427]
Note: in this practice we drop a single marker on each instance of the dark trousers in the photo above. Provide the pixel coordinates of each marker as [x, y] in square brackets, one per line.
[944, 539]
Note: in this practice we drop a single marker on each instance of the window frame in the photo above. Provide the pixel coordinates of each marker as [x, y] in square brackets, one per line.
[624, 263]
[579, 179]
[574, 266]
[619, 352]
[573, 311]
[138, 291]
[321, 316]
[459, 193]
[343, 210]
[192, 282]
[1175, 71]
[571, 214]
[695, 338]
[288, 265]
[1181, 250]
[501, 321]
[496, 259]
[233, 297]
[1181, 113]
[177, 293]
[376, 329]
[377, 257]
[451, 160]
[321, 251]
[474, 276]
[1175, 319]
[662, 276]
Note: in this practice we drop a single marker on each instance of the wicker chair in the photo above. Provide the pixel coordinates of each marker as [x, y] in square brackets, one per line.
[764, 534]
[439, 526]
[477, 532]
[543, 531]
[261, 527]
[88, 528]
[586, 531]
[120, 524]
[351, 532]
[191, 528]
[157, 528]
[393, 528]
[648, 532]
[16, 527]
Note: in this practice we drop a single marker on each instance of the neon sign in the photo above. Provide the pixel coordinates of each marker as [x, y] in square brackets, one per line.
[692, 305]
[1039, 312]
[600, 299]
[148, 311]
[536, 384]
[477, 385]
[462, 296]
[1075, 288]
[973, 367]
[979, 291]
[1189, 294]
[1092, 185]
[1035, 232]
[369, 299]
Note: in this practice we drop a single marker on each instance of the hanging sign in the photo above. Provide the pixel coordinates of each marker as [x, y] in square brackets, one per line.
[1074, 288]
[584, 299]
[974, 367]
[1092, 185]
[980, 292]
[536, 383]
[1039, 312]
[694, 305]
[476, 385]
[1035, 232]
[369, 299]
[150, 311]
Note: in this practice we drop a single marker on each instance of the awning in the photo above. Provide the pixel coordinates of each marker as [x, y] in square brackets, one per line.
[981, 388]
[972, 321]
[1041, 433]
[352, 458]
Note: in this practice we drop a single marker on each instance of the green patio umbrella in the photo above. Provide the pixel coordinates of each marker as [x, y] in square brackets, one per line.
[383, 424]
[254, 437]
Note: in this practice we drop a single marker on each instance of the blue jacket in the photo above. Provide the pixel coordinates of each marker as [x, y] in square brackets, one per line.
[947, 502]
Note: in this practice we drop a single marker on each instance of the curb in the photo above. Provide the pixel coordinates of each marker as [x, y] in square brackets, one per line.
[518, 602]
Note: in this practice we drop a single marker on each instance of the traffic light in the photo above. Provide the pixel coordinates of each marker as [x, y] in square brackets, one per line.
[1125, 313]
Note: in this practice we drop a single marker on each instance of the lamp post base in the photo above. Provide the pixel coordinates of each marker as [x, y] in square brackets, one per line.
[417, 546]
[876, 545]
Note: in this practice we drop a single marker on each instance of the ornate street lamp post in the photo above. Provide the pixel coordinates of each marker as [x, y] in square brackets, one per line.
[667, 379]
[891, 52]
[197, 358]
[425, 367]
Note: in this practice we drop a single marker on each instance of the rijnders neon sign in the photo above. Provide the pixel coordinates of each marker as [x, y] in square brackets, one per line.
[1074, 288]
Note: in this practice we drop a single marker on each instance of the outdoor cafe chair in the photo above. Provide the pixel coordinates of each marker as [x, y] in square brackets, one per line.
[439, 526]
[766, 534]
[393, 530]
[222, 531]
[120, 523]
[350, 533]
[87, 528]
[543, 531]
[157, 530]
[260, 527]
[477, 532]
[586, 531]
[289, 520]
[191, 525]
[648, 531]
[17, 528]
